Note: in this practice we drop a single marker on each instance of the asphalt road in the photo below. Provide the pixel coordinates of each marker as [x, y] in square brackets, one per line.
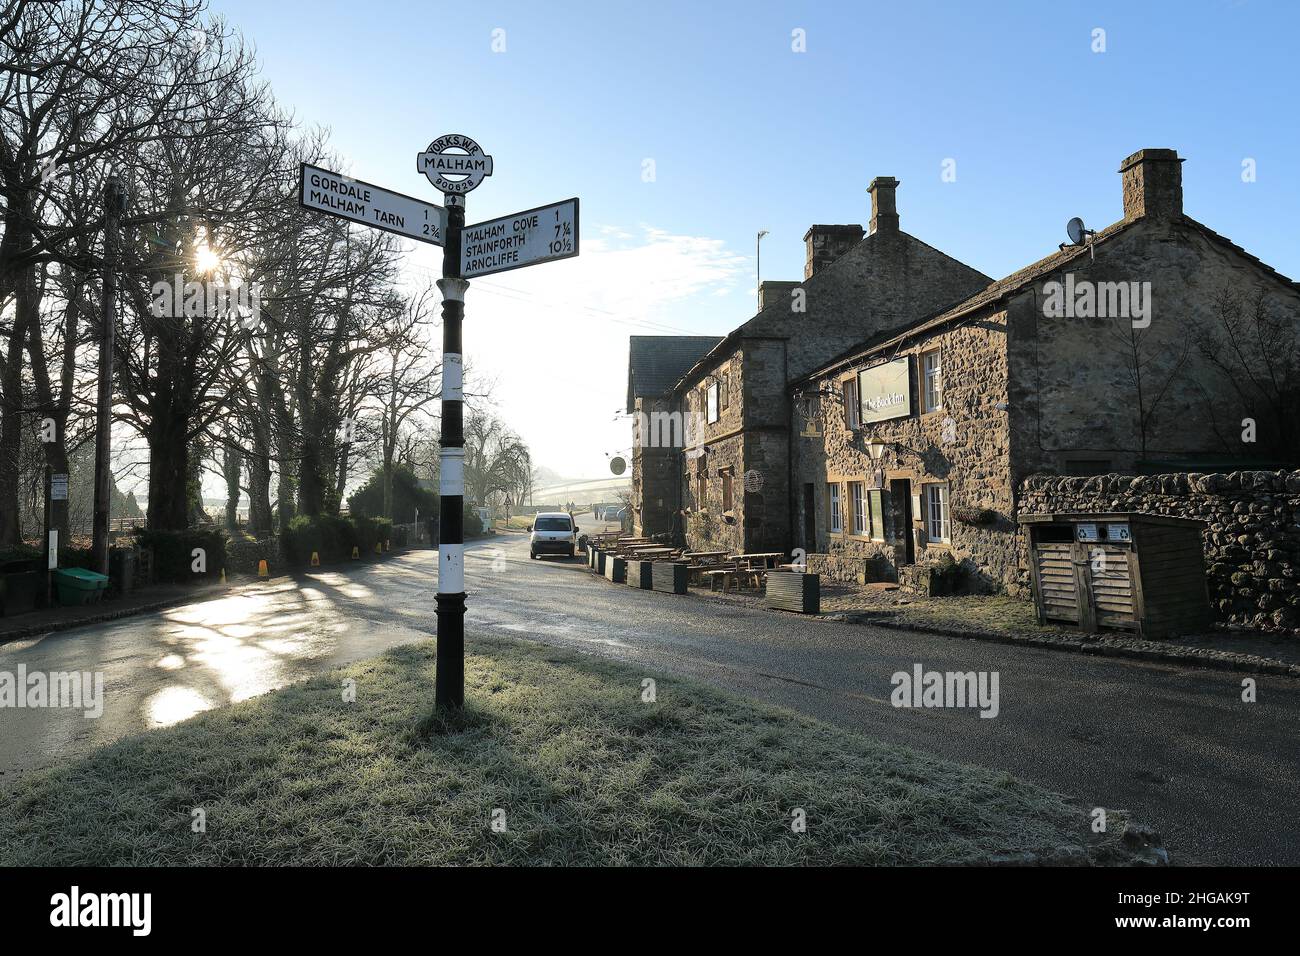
[1216, 776]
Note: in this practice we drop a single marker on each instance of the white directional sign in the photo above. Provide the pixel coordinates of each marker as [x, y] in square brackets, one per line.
[524, 239]
[458, 156]
[370, 205]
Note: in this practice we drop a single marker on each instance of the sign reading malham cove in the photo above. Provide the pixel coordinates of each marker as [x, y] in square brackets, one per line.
[522, 239]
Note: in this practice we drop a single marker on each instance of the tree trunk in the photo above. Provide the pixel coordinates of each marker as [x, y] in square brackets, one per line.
[11, 427]
[388, 488]
[169, 473]
[231, 467]
[340, 483]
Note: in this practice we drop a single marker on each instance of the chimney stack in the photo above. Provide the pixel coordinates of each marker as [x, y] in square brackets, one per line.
[1153, 184]
[884, 204]
[825, 244]
[774, 290]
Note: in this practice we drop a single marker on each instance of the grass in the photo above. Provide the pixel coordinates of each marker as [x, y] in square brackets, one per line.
[584, 771]
[990, 612]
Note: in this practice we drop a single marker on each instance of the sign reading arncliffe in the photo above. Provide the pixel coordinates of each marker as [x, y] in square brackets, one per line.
[522, 239]
[885, 391]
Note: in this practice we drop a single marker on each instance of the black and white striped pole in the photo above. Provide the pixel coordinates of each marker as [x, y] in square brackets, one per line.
[456, 165]
[449, 686]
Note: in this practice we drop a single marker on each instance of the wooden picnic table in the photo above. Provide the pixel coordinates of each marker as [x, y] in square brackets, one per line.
[767, 557]
[729, 576]
[705, 554]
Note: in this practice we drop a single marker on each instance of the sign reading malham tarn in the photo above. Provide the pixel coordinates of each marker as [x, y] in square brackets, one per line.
[885, 391]
[370, 205]
[523, 239]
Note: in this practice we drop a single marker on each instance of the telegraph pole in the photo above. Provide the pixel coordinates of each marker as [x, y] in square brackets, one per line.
[449, 686]
[114, 206]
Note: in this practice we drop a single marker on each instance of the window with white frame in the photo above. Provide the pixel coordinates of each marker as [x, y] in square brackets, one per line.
[858, 492]
[932, 381]
[936, 513]
[837, 518]
[849, 390]
[713, 402]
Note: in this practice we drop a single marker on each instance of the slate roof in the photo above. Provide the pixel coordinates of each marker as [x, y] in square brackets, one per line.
[1017, 281]
[655, 363]
[756, 326]
[994, 292]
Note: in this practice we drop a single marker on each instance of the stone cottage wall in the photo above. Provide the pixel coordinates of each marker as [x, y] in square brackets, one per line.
[1251, 540]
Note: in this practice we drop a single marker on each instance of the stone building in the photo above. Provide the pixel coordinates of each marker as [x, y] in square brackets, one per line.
[655, 364]
[1152, 345]
[732, 467]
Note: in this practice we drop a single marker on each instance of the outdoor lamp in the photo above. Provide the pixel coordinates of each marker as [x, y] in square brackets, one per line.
[876, 448]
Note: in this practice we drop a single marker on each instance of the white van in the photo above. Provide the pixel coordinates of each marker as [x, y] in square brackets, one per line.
[553, 532]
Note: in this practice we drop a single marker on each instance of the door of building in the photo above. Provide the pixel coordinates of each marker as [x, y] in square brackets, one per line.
[900, 492]
[809, 518]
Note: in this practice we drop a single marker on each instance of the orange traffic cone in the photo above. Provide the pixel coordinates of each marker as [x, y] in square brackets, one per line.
[262, 571]
[315, 559]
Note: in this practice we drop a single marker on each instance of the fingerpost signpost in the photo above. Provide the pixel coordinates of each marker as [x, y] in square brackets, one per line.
[455, 165]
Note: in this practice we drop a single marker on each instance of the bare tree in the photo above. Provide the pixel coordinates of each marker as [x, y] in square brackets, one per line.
[1152, 368]
[1255, 345]
[497, 462]
[84, 85]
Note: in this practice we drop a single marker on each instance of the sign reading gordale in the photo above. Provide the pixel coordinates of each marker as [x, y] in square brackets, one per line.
[457, 156]
[523, 239]
[348, 198]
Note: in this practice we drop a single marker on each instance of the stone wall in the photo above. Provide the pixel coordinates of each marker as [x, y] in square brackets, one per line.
[654, 471]
[1252, 535]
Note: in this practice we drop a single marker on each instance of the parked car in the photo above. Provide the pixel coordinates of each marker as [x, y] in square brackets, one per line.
[552, 532]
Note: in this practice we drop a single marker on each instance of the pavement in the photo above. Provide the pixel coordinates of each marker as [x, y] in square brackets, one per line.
[1174, 745]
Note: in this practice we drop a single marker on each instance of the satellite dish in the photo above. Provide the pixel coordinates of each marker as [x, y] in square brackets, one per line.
[1076, 231]
[617, 465]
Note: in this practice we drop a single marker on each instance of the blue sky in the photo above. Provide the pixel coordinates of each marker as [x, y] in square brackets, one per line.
[746, 134]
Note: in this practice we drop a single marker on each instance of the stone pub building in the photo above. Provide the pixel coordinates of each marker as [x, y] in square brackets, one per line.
[1143, 349]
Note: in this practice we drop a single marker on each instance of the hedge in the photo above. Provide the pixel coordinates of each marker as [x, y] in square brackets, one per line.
[332, 537]
[173, 553]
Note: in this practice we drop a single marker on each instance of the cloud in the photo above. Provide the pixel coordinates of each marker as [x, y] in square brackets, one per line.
[554, 336]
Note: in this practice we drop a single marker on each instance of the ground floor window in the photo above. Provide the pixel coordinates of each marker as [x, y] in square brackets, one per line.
[837, 519]
[936, 513]
[859, 494]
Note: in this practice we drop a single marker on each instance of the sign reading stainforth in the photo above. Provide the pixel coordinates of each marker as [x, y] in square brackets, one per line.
[522, 239]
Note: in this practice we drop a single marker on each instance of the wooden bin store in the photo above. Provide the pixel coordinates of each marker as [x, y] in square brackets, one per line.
[1135, 572]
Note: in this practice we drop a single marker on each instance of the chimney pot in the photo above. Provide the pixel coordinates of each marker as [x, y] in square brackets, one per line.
[1153, 184]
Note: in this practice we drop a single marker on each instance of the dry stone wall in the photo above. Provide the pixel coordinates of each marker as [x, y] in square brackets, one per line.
[1251, 538]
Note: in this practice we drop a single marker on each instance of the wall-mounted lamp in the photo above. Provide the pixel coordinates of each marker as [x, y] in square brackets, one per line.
[876, 448]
